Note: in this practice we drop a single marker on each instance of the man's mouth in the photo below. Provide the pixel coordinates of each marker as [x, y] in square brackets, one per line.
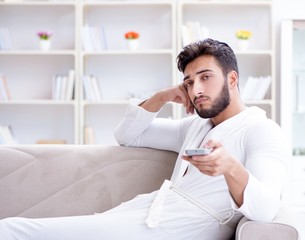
[199, 100]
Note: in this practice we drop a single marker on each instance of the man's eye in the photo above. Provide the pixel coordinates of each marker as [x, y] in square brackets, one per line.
[206, 77]
[188, 84]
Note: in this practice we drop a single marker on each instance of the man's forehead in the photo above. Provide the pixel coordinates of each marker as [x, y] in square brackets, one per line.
[201, 65]
[201, 62]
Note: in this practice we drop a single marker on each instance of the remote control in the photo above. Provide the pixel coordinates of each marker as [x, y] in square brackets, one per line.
[198, 151]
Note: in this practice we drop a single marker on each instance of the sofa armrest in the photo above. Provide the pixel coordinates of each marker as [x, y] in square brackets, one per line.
[281, 228]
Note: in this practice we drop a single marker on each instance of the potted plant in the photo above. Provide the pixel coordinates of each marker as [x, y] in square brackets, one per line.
[132, 39]
[44, 40]
[243, 37]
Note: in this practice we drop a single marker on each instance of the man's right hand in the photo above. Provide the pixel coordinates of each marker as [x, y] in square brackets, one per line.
[177, 94]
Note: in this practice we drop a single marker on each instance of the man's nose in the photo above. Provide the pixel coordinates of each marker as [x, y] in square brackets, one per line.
[198, 88]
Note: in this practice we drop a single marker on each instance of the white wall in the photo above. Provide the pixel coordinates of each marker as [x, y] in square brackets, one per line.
[284, 9]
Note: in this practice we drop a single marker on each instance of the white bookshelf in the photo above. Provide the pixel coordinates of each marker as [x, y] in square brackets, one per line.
[31, 113]
[123, 73]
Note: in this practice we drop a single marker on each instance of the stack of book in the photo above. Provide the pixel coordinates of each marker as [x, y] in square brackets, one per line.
[63, 86]
[192, 32]
[92, 88]
[93, 38]
[5, 39]
[256, 88]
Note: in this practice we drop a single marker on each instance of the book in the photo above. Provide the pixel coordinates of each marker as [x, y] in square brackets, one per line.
[186, 38]
[86, 40]
[56, 87]
[96, 88]
[4, 90]
[89, 136]
[249, 88]
[92, 89]
[51, 141]
[262, 87]
[63, 87]
[88, 90]
[102, 36]
[70, 85]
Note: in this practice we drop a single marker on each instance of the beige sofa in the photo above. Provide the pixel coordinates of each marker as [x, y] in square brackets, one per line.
[64, 180]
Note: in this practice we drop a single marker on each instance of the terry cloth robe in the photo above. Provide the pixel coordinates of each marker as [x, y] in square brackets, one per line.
[249, 136]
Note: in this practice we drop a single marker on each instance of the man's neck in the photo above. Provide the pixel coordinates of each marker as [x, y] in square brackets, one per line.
[233, 109]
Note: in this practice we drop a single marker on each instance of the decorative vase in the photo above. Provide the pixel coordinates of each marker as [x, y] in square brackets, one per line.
[133, 44]
[44, 45]
[243, 44]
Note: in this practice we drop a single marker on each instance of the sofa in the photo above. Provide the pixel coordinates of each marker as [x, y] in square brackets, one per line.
[65, 180]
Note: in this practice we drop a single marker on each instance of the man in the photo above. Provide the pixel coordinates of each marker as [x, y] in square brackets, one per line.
[243, 175]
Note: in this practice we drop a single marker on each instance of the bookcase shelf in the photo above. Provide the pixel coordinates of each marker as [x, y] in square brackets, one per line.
[121, 73]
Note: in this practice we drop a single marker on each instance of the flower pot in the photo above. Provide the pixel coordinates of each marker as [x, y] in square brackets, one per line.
[132, 44]
[243, 44]
[44, 45]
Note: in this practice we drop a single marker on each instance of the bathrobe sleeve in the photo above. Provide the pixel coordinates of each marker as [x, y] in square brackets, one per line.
[141, 128]
[267, 161]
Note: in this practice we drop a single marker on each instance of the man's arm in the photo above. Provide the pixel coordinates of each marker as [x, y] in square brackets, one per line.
[140, 127]
[175, 94]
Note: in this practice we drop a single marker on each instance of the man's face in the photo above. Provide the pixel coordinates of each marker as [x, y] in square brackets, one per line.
[206, 86]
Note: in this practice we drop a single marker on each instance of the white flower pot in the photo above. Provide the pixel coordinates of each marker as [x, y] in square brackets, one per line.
[132, 44]
[44, 45]
[243, 44]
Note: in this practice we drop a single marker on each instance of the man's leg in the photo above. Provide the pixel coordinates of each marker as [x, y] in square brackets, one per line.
[126, 221]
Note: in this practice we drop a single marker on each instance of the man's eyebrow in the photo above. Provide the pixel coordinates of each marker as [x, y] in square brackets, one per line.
[199, 72]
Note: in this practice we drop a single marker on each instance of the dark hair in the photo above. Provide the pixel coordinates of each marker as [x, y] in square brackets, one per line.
[221, 51]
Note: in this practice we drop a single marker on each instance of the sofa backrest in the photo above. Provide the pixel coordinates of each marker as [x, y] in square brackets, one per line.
[66, 180]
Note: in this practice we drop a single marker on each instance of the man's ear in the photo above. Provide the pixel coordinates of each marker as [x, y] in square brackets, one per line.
[233, 79]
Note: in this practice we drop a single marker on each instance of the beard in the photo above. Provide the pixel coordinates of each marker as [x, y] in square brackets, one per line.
[219, 104]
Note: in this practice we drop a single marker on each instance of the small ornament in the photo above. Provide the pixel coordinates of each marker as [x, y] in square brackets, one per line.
[132, 40]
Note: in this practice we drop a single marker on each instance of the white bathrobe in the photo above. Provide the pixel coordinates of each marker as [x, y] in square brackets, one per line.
[249, 136]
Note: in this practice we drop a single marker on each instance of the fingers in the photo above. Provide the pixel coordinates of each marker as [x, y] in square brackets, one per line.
[212, 144]
[203, 164]
[187, 103]
[211, 164]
